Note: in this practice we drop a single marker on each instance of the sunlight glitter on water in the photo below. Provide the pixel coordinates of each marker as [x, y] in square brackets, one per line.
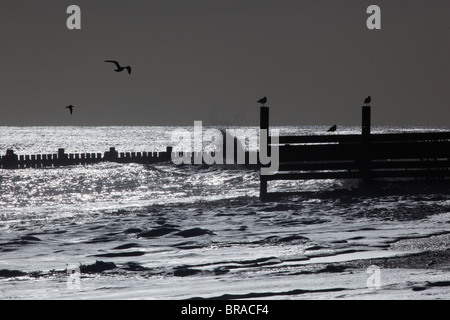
[188, 227]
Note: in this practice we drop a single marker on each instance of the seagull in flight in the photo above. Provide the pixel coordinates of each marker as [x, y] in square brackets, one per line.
[368, 100]
[332, 129]
[70, 108]
[119, 67]
[262, 101]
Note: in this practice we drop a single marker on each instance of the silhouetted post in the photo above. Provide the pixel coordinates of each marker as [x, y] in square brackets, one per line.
[49, 160]
[10, 160]
[33, 160]
[365, 165]
[366, 121]
[168, 155]
[111, 155]
[62, 157]
[21, 161]
[39, 161]
[27, 161]
[235, 150]
[44, 160]
[264, 130]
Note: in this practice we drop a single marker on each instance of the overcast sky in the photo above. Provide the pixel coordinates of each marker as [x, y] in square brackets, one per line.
[211, 60]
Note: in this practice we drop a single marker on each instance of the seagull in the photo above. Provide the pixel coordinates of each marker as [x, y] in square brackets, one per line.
[368, 100]
[262, 101]
[332, 129]
[70, 108]
[119, 67]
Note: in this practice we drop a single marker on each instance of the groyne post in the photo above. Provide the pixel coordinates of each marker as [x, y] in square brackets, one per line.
[264, 130]
[10, 160]
[111, 155]
[366, 154]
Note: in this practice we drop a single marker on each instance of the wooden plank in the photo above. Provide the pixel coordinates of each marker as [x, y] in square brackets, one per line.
[302, 166]
[332, 138]
[332, 152]
[411, 136]
[410, 164]
[374, 174]
[432, 173]
[394, 173]
[409, 150]
[335, 152]
[355, 165]
[355, 138]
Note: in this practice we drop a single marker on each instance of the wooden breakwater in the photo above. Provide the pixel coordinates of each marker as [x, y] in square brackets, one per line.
[13, 161]
[365, 156]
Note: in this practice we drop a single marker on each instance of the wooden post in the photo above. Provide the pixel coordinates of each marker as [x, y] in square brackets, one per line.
[39, 161]
[62, 157]
[264, 129]
[27, 161]
[366, 121]
[33, 161]
[10, 160]
[366, 156]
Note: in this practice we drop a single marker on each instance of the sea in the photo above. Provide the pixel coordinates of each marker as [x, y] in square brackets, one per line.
[175, 232]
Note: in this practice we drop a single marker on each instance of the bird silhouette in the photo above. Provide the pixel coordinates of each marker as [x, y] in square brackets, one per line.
[70, 108]
[262, 101]
[119, 67]
[332, 129]
[368, 100]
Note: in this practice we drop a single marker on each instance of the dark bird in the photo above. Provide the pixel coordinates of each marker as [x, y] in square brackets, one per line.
[119, 67]
[332, 129]
[70, 108]
[368, 100]
[262, 101]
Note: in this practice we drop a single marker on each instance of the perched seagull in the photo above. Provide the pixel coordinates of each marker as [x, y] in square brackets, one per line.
[70, 108]
[332, 129]
[262, 101]
[119, 67]
[368, 100]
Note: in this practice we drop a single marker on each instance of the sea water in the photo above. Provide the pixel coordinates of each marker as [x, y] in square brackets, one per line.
[161, 231]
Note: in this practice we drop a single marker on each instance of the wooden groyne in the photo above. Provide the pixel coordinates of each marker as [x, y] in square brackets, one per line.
[13, 161]
[365, 156]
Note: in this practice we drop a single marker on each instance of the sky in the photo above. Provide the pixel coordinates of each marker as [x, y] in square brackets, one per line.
[211, 60]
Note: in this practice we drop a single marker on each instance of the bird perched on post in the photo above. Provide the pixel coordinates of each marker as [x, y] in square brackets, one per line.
[368, 100]
[262, 101]
[119, 67]
[70, 108]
